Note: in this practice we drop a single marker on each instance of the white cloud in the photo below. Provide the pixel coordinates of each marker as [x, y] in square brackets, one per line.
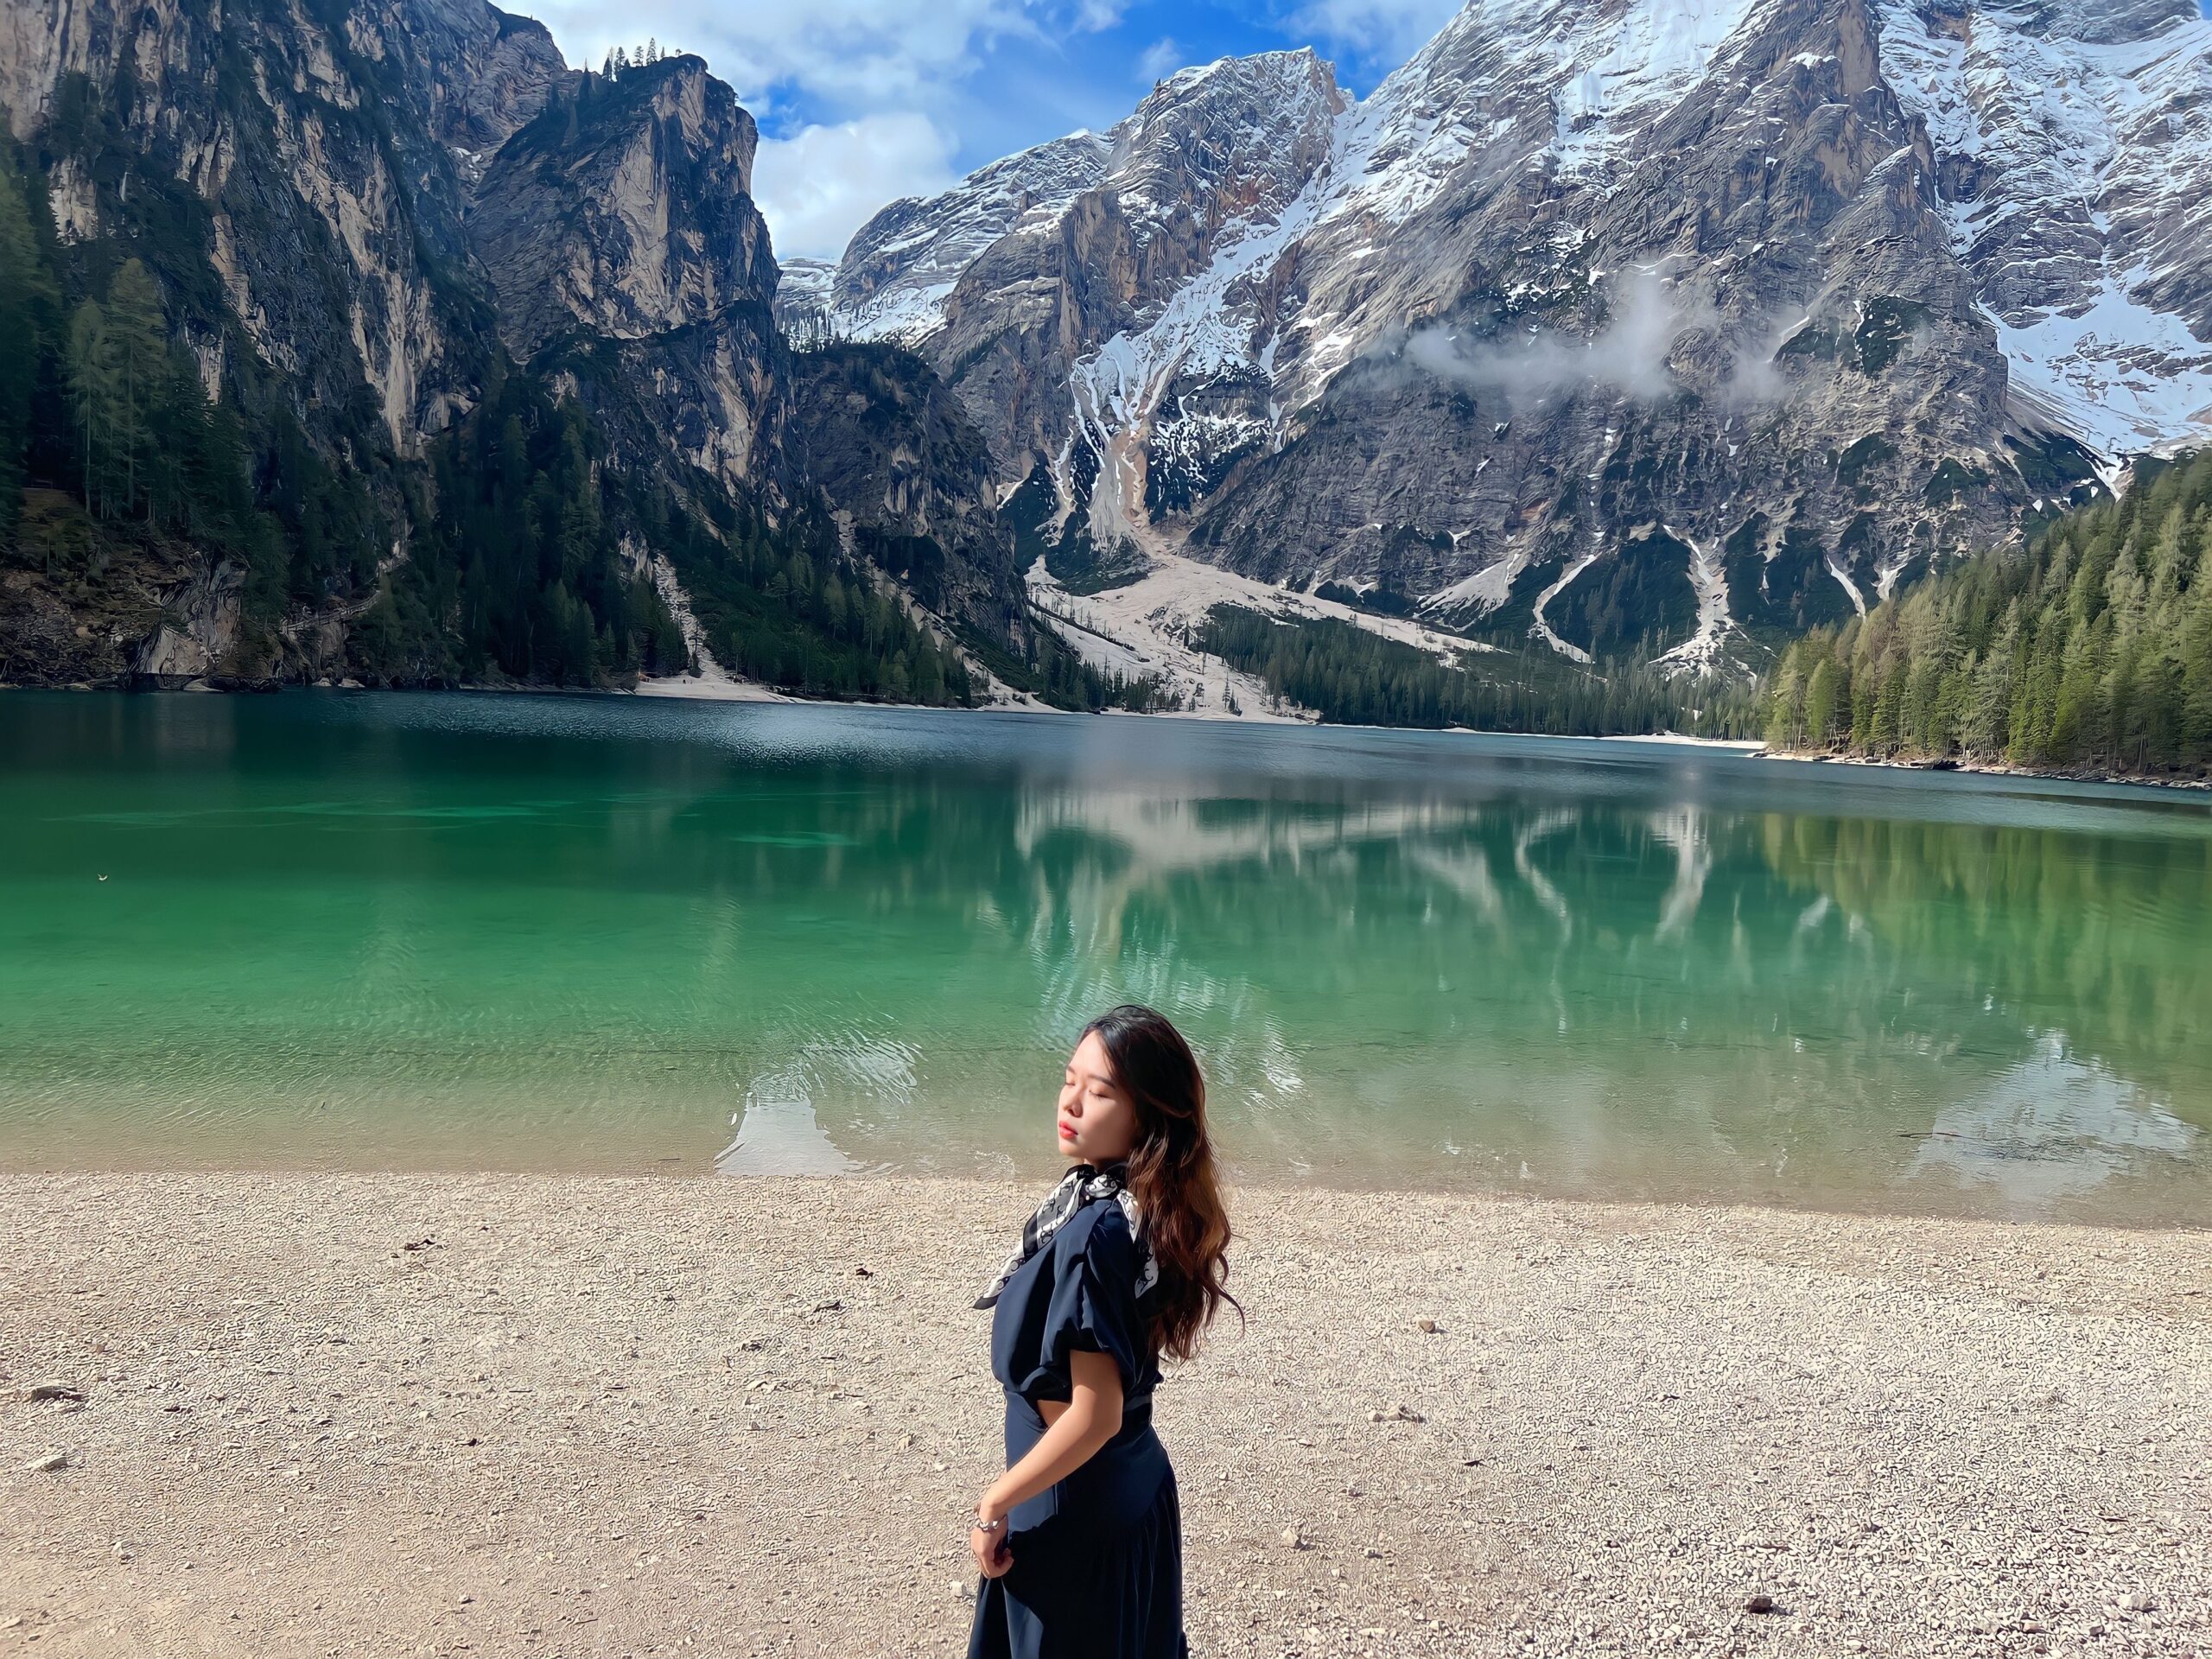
[1631, 353]
[1159, 60]
[1384, 33]
[856, 55]
[818, 187]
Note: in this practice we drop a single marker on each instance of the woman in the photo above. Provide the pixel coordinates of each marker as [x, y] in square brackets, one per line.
[1080, 1541]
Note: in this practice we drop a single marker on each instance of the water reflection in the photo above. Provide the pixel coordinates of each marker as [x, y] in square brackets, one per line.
[425, 929]
[2051, 1128]
[779, 1134]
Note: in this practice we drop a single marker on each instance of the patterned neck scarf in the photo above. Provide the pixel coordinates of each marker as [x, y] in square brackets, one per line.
[1077, 1187]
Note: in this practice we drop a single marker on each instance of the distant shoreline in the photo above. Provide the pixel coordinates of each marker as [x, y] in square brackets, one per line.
[681, 688]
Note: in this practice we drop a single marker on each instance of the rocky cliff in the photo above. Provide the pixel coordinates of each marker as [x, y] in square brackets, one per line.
[368, 223]
[1649, 327]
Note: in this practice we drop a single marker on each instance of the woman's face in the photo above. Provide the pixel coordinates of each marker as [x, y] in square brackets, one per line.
[1098, 1122]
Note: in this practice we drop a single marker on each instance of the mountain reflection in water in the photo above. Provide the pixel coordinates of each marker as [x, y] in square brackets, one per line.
[613, 935]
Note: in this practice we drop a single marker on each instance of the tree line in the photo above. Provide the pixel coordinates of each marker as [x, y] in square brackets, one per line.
[1350, 675]
[2092, 651]
[97, 402]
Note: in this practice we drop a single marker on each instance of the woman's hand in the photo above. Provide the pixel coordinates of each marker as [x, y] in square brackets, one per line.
[1074, 1428]
[992, 1552]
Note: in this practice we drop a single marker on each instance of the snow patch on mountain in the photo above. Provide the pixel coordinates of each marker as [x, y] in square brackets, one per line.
[1655, 51]
[902, 265]
[1541, 627]
[2119, 376]
[1201, 331]
[2082, 141]
[1701, 652]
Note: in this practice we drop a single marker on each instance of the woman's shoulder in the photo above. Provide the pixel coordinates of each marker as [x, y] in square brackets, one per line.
[1102, 1225]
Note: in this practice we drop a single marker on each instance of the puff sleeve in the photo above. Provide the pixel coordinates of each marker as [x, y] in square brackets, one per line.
[1094, 1303]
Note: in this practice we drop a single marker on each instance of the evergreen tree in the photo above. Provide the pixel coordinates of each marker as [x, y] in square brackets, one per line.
[2093, 651]
[1821, 703]
[90, 398]
[137, 339]
[25, 291]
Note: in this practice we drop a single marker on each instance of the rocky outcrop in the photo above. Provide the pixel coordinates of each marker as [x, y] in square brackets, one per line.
[200, 630]
[362, 218]
[906, 260]
[1013, 283]
[910, 474]
[624, 210]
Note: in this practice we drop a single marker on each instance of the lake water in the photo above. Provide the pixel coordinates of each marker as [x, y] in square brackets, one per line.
[427, 932]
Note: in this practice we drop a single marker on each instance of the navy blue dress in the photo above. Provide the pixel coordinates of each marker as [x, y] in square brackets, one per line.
[1097, 1568]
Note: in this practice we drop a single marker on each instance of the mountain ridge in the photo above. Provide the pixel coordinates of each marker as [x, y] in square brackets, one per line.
[1746, 281]
[488, 349]
[1635, 336]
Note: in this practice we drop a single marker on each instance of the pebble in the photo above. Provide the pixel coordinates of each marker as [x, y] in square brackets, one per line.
[1761, 1603]
[52, 1463]
[1293, 1538]
[1627, 1546]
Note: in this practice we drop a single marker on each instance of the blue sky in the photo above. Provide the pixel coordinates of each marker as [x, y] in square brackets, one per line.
[861, 101]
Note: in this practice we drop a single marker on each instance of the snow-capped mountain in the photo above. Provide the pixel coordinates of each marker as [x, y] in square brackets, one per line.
[1627, 324]
[2075, 160]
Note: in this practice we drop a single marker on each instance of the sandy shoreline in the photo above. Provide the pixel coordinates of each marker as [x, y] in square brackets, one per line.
[597, 1416]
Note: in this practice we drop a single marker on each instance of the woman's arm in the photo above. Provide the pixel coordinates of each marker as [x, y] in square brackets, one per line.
[1090, 1417]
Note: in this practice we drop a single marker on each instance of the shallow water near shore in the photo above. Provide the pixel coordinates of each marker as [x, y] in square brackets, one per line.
[426, 931]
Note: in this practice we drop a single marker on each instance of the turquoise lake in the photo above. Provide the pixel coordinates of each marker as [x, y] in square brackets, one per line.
[427, 932]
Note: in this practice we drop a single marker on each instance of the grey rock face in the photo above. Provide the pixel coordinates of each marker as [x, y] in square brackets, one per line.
[268, 125]
[486, 73]
[906, 259]
[1769, 303]
[624, 209]
[2074, 149]
[380, 208]
[891, 447]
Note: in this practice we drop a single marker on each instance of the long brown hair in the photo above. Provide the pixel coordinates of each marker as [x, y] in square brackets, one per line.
[1171, 1174]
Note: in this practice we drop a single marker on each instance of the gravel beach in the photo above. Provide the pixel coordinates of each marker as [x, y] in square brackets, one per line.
[322, 1414]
